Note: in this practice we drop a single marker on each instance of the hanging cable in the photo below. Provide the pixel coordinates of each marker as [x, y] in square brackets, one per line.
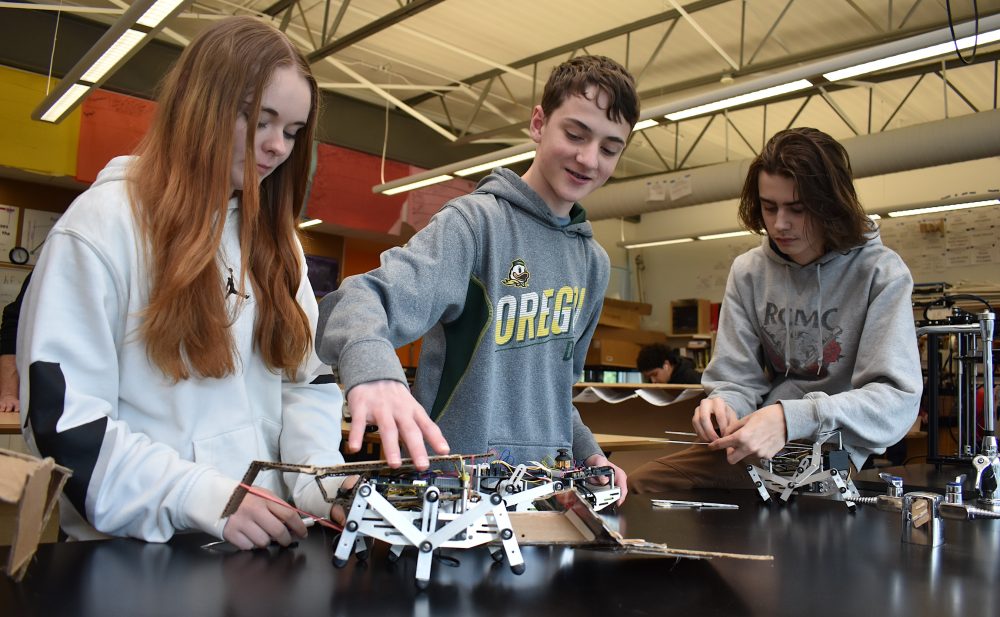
[951, 27]
[52, 56]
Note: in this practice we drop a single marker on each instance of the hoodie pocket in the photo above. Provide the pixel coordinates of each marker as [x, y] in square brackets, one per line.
[233, 451]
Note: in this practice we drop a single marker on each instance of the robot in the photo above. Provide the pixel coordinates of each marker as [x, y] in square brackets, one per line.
[807, 469]
[441, 508]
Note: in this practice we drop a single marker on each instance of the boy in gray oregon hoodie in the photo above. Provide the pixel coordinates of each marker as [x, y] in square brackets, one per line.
[504, 284]
[816, 330]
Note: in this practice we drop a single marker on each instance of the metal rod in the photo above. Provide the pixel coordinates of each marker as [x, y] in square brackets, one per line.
[933, 394]
[986, 323]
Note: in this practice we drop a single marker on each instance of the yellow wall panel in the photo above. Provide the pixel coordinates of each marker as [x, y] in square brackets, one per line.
[39, 147]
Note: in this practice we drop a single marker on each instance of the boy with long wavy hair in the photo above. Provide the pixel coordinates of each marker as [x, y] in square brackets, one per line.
[816, 329]
[166, 337]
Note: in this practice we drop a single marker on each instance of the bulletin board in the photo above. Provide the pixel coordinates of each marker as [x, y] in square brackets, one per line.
[35, 228]
[11, 279]
[955, 246]
[10, 218]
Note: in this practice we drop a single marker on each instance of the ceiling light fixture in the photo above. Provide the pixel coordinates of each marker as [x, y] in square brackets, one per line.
[913, 56]
[418, 184]
[444, 173]
[508, 160]
[310, 223]
[640, 245]
[741, 99]
[728, 234]
[642, 125]
[136, 27]
[933, 209]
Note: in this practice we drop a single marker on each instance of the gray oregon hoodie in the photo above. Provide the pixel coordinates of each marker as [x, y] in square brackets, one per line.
[833, 341]
[506, 300]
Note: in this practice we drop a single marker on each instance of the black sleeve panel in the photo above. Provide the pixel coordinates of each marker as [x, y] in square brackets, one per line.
[77, 448]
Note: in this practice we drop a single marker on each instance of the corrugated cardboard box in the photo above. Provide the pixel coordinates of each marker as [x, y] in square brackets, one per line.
[30, 487]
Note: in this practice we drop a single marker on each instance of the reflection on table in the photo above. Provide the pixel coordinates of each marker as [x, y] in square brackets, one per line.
[826, 562]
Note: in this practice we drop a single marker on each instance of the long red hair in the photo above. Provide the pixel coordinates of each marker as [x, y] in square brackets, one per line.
[180, 186]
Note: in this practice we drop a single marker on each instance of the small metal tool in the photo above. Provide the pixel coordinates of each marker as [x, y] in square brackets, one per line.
[695, 505]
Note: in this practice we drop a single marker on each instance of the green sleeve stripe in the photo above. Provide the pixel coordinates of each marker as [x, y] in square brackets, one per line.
[462, 338]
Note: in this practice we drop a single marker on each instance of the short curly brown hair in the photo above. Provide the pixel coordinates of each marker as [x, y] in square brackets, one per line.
[576, 75]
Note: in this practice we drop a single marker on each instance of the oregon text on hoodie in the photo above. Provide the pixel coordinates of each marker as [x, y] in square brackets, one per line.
[507, 301]
[833, 341]
[150, 457]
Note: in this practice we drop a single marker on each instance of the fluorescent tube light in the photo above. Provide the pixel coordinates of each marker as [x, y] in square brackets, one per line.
[741, 99]
[158, 12]
[640, 245]
[418, 184]
[118, 43]
[728, 234]
[109, 59]
[66, 101]
[310, 223]
[932, 209]
[875, 217]
[468, 171]
[642, 125]
[912, 56]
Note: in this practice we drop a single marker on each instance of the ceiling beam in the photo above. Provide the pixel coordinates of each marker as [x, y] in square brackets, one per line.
[380, 24]
[574, 45]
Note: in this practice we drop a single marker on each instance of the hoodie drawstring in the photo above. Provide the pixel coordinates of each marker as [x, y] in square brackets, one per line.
[788, 319]
[819, 320]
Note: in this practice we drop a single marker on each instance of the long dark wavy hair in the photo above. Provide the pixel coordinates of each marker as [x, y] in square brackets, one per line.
[824, 183]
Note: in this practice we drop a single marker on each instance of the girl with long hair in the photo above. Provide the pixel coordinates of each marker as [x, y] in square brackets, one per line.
[166, 340]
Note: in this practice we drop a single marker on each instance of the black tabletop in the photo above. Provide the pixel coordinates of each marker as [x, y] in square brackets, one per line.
[827, 561]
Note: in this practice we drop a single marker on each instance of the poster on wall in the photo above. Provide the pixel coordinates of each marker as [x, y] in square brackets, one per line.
[37, 224]
[11, 279]
[9, 217]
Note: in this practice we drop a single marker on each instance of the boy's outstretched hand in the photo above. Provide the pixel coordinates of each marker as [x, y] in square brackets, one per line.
[389, 405]
[621, 480]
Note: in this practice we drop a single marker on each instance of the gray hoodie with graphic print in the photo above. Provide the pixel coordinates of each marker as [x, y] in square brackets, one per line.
[506, 300]
[833, 341]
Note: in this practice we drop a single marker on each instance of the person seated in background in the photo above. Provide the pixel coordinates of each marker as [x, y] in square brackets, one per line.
[166, 339]
[816, 331]
[10, 400]
[661, 363]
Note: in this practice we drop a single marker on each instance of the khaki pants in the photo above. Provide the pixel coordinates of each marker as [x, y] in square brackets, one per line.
[695, 467]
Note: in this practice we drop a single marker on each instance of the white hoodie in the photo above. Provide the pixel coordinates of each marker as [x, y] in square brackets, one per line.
[151, 457]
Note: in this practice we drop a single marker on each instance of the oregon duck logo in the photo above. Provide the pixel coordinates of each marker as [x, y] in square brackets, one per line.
[518, 276]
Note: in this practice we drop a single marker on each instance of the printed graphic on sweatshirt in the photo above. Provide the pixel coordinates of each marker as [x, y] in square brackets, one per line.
[536, 317]
[813, 343]
[518, 276]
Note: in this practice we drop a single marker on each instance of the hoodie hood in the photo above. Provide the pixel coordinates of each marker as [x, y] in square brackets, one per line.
[507, 185]
[116, 170]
